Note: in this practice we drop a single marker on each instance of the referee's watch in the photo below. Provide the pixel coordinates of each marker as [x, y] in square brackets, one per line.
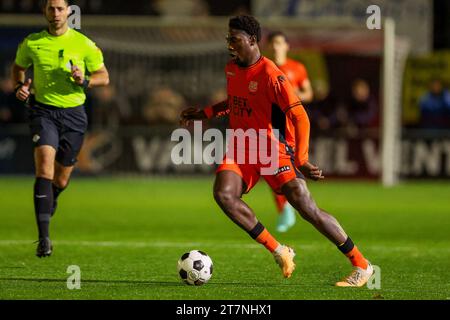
[85, 84]
[19, 85]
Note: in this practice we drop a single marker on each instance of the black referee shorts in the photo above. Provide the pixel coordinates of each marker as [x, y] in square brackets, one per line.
[61, 128]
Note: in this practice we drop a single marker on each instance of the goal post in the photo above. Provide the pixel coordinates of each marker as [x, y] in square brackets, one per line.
[390, 130]
[395, 53]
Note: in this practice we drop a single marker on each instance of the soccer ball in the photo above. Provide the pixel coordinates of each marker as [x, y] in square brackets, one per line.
[195, 267]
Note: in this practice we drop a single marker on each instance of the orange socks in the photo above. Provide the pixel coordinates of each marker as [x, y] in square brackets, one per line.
[267, 240]
[356, 258]
[353, 254]
[260, 234]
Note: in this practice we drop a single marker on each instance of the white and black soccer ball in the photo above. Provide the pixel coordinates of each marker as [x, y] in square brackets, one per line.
[195, 267]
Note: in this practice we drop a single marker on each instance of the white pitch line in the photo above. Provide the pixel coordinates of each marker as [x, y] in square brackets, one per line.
[133, 244]
[175, 244]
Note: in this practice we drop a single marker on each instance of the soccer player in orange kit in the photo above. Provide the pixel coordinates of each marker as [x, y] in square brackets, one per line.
[260, 97]
[278, 48]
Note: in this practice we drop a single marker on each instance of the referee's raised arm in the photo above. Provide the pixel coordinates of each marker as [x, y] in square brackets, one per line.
[65, 64]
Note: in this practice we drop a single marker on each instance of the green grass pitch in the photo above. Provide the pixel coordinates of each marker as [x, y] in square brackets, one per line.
[126, 236]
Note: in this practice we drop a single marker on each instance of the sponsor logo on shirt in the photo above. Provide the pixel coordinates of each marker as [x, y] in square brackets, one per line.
[253, 86]
[240, 106]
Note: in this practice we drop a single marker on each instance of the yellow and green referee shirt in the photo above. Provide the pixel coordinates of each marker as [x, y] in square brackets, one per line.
[50, 56]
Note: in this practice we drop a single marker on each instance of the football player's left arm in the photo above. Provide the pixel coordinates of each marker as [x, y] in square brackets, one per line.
[288, 101]
[99, 78]
[99, 75]
[300, 120]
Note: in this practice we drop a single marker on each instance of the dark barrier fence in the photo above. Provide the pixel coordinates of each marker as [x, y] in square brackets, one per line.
[148, 150]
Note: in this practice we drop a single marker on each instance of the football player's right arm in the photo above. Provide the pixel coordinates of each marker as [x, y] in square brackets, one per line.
[21, 64]
[217, 110]
[18, 73]
[22, 87]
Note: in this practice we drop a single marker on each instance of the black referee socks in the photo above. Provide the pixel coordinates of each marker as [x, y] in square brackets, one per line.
[57, 191]
[43, 203]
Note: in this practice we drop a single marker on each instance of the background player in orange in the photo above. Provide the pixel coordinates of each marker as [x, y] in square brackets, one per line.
[278, 49]
[259, 96]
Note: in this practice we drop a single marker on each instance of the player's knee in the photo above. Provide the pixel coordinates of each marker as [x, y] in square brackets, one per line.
[61, 182]
[296, 198]
[224, 198]
[300, 199]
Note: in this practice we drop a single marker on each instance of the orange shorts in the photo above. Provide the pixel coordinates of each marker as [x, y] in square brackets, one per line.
[250, 173]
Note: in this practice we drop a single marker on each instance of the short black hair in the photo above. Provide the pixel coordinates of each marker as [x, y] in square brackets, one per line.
[275, 34]
[248, 24]
[45, 2]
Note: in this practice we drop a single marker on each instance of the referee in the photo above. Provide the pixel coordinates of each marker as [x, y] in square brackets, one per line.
[60, 57]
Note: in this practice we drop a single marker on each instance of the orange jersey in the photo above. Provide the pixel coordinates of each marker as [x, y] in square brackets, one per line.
[258, 97]
[295, 72]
